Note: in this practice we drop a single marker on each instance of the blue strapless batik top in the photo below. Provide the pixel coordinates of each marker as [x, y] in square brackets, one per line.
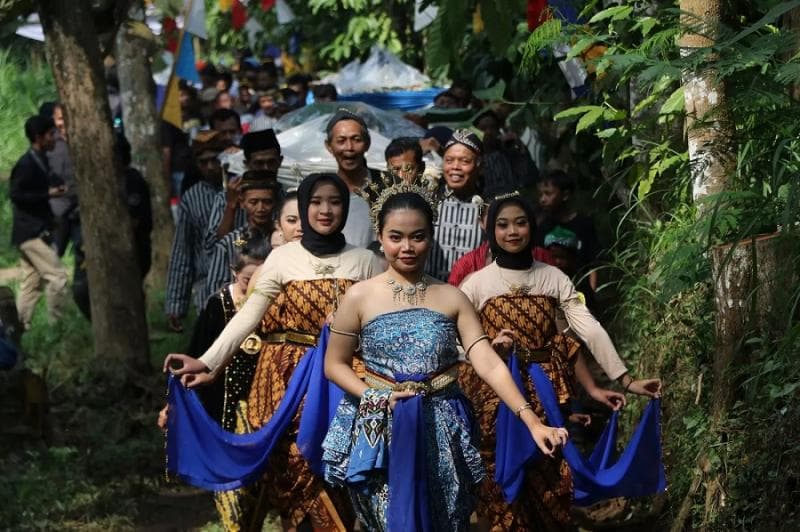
[360, 450]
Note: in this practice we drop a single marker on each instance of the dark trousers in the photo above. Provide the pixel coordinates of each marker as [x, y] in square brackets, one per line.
[67, 228]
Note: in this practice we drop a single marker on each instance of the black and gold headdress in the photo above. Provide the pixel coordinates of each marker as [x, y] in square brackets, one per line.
[392, 184]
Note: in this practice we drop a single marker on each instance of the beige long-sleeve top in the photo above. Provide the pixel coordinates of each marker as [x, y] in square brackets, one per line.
[290, 262]
[543, 279]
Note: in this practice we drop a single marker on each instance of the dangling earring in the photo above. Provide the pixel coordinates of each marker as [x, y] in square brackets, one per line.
[381, 248]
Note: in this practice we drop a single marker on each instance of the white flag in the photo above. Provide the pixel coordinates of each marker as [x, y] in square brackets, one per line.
[253, 28]
[284, 12]
[422, 19]
[196, 19]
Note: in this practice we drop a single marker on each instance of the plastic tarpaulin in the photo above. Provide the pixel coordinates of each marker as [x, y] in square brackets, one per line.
[399, 100]
[382, 71]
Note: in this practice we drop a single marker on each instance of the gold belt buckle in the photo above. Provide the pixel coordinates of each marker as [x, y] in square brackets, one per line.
[252, 344]
[422, 388]
[538, 356]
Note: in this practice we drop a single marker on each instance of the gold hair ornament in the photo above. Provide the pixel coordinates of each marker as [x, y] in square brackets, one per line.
[507, 195]
[392, 184]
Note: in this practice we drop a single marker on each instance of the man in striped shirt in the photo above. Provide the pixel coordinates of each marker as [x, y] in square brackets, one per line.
[188, 262]
[259, 192]
[458, 229]
[261, 152]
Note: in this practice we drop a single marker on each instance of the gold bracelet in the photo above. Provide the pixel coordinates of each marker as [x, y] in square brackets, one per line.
[478, 339]
[518, 411]
[351, 335]
[345, 333]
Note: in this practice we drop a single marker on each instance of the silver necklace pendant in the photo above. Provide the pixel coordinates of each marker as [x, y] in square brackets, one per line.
[411, 293]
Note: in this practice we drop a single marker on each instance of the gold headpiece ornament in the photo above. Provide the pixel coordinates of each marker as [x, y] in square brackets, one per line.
[507, 195]
[392, 184]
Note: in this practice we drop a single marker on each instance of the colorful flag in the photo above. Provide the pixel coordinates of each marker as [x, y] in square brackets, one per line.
[185, 67]
[283, 12]
[171, 109]
[238, 15]
[170, 30]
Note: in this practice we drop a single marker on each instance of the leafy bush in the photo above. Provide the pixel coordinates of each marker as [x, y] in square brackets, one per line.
[25, 83]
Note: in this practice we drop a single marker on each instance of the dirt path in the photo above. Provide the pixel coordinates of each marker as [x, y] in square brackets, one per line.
[177, 509]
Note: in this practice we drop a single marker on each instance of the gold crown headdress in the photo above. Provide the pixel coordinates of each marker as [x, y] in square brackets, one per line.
[392, 184]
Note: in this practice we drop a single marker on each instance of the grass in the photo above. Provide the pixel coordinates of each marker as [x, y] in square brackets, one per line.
[103, 467]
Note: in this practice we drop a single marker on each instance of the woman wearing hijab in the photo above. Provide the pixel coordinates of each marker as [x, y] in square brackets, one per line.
[458, 229]
[298, 288]
[517, 300]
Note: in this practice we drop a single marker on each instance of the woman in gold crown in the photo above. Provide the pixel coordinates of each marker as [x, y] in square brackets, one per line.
[402, 438]
[298, 288]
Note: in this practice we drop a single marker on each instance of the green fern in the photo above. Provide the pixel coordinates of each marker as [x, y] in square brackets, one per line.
[548, 34]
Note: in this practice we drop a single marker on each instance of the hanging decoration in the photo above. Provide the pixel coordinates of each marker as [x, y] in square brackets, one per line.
[171, 34]
[537, 13]
[238, 15]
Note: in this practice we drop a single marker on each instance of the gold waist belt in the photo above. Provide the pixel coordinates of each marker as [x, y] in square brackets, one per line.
[529, 356]
[429, 386]
[291, 337]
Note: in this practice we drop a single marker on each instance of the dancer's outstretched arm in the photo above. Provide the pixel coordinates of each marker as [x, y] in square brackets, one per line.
[490, 367]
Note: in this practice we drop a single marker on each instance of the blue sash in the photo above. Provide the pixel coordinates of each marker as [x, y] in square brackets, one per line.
[637, 472]
[322, 400]
[203, 454]
[408, 480]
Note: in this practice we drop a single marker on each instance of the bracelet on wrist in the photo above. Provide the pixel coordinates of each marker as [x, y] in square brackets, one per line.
[518, 411]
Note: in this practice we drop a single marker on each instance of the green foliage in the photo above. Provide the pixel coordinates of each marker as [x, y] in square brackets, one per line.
[25, 83]
[659, 264]
[332, 31]
[8, 254]
[445, 35]
[363, 31]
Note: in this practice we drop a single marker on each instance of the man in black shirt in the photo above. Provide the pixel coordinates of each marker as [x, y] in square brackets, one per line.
[32, 185]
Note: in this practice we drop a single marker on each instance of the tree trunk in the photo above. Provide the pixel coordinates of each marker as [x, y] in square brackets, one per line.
[712, 160]
[142, 129]
[116, 296]
[750, 280]
[709, 126]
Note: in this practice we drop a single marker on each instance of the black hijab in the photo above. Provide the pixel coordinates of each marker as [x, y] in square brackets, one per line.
[314, 242]
[512, 261]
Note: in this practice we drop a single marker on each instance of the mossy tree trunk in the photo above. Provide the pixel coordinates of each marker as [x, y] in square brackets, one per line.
[709, 126]
[134, 42]
[712, 161]
[117, 299]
